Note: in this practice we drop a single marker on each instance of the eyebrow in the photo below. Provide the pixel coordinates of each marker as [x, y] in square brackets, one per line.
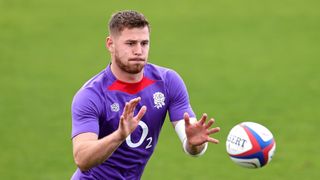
[136, 41]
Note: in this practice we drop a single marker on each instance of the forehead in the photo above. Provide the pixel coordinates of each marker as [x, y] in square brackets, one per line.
[135, 34]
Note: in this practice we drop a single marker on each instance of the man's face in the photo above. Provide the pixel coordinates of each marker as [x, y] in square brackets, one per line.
[130, 49]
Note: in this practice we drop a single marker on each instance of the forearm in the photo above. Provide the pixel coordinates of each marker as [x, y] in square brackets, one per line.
[193, 150]
[94, 152]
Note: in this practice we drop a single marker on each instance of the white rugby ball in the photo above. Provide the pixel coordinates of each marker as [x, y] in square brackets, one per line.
[250, 145]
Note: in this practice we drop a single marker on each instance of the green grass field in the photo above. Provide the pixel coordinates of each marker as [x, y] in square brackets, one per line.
[241, 61]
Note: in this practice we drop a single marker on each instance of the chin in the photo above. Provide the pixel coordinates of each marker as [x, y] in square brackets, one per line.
[136, 69]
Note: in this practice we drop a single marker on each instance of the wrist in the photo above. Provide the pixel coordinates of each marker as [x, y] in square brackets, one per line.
[194, 150]
[119, 135]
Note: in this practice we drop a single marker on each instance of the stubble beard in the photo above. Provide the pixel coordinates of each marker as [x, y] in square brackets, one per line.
[129, 68]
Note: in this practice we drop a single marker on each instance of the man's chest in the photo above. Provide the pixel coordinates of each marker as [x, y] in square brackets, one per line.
[153, 97]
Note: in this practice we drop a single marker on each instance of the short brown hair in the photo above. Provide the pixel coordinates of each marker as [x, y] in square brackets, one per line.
[127, 19]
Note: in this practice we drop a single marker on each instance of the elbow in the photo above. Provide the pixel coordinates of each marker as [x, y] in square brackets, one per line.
[82, 166]
[81, 163]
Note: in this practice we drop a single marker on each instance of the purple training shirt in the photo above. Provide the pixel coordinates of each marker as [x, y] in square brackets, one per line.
[97, 108]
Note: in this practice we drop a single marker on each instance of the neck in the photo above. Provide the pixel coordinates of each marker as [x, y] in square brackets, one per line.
[125, 76]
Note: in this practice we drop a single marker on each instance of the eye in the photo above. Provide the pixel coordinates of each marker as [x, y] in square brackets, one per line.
[130, 43]
[144, 43]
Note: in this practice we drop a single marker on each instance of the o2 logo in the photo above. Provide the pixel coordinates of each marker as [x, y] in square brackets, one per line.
[144, 134]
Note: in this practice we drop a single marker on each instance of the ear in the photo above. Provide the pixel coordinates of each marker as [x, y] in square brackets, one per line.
[110, 44]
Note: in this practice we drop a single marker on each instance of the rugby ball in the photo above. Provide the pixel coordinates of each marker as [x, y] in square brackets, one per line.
[250, 145]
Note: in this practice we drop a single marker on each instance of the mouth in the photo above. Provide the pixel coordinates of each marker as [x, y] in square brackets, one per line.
[137, 59]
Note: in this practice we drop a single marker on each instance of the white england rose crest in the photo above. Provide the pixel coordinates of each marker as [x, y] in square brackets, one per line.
[158, 99]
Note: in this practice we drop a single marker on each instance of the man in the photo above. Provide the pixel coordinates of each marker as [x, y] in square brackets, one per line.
[118, 114]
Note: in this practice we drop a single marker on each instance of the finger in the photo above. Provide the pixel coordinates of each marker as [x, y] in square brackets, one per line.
[212, 140]
[210, 122]
[133, 103]
[213, 130]
[126, 110]
[135, 100]
[186, 119]
[121, 119]
[130, 107]
[141, 113]
[203, 118]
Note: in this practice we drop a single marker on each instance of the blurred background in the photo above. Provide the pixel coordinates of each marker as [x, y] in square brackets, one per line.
[241, 61]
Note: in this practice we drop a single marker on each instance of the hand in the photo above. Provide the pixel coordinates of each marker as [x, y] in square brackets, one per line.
[129, 122]
[198, 132]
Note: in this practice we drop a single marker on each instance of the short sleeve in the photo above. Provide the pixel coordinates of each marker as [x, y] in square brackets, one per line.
[85, 112]
[178, 97]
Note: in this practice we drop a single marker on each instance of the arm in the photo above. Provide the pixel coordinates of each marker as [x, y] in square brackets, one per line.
[89, 151]
[195, 134]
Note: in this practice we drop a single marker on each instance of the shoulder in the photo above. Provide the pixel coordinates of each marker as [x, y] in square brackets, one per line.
[98, 83]
[92, 92]
[160, 72]
[96, 80]
[173, 82]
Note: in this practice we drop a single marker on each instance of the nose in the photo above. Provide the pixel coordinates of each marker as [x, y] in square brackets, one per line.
[138, 50]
